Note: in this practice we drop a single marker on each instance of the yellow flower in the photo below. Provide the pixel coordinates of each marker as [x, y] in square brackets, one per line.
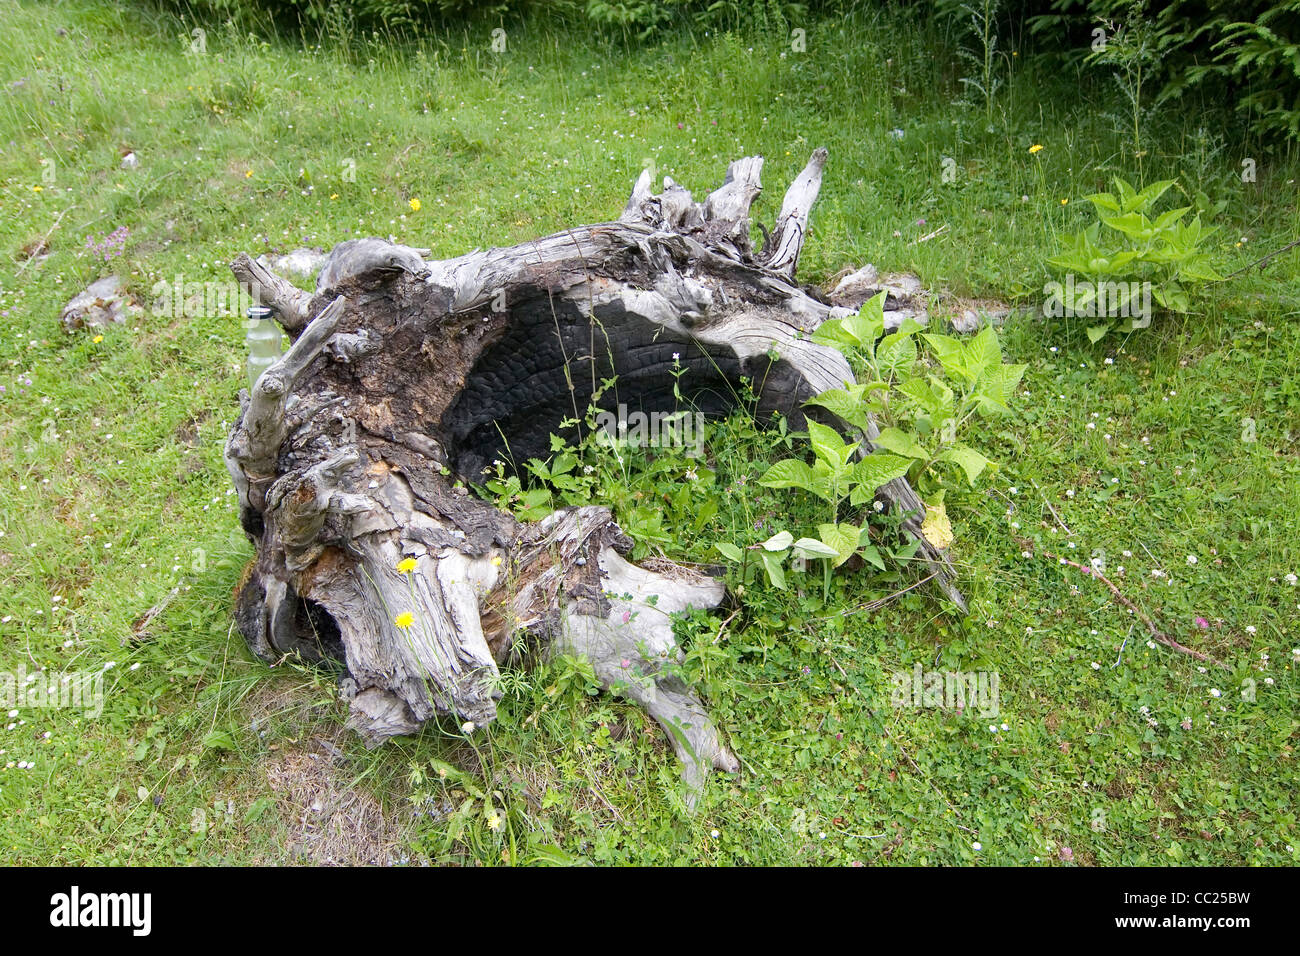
[494, 822]
[1064, 201]
[1035, 148]
[334, 195]
[37, 189]
[404, 620]
[406, 566]
[415, 205]
[248, 174]
[496, 561]
[97, 338]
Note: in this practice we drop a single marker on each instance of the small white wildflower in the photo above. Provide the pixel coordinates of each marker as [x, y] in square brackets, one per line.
[1215, 692]
[467, 727]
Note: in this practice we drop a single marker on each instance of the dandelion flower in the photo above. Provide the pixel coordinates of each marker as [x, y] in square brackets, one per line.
[1036, 148]
[406, 566]
[496, 560]
[97, 338]
[415, 205]
[404, 620]
[494, 822]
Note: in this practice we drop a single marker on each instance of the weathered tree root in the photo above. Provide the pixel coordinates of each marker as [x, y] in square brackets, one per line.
[407, 378]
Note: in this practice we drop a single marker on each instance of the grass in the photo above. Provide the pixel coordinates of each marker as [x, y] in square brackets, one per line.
[115, 492]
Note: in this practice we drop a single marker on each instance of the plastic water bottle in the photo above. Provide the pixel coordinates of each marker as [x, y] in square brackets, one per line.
[263, 339]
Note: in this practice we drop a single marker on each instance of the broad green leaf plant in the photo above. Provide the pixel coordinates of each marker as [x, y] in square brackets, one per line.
[924, 397]
[1112, 276]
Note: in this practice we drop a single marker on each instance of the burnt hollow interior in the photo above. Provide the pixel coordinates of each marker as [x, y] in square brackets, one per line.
[518, 393]
[317, 633]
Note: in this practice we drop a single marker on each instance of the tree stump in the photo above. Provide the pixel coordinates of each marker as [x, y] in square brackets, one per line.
[406, 378]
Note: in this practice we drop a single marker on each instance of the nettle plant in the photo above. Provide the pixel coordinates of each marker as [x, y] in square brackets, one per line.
[923, 399]
[1113, 269]
[835, 474]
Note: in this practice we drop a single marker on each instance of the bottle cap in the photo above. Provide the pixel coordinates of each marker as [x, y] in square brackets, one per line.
[256, 312]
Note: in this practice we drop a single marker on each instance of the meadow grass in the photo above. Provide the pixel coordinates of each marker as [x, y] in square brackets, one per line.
[115, 492]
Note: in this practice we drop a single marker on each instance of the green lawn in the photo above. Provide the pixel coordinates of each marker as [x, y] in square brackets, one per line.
[115, 492]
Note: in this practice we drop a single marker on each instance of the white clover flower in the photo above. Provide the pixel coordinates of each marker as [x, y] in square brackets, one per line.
[977, 846]
[1215, 692]
[1096, 666]
[1191, 559]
